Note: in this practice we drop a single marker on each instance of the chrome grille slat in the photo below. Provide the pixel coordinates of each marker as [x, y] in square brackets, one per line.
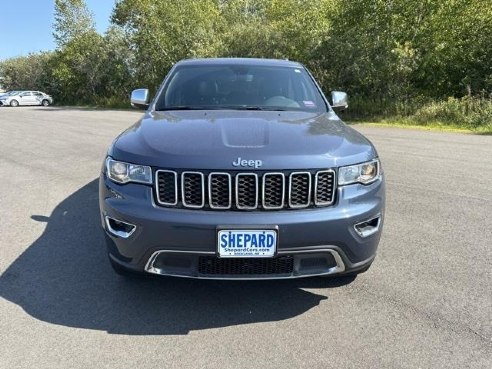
[245, 190]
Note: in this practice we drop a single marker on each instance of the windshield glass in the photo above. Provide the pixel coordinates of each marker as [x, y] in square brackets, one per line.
[240, 87]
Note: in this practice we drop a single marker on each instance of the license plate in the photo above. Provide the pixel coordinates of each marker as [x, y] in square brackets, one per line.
[246, 243]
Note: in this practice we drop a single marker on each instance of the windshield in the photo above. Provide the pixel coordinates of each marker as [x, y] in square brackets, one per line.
[240, 87]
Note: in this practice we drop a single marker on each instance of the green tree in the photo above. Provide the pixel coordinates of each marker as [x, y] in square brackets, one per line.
[72, 18]
[163, 32]
[27, 72]
[285, 29]
[78, 67]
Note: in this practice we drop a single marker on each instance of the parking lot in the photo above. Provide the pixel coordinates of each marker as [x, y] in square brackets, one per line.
[425, 303]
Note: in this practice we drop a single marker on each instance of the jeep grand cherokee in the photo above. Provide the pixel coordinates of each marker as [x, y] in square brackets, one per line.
[240, 169]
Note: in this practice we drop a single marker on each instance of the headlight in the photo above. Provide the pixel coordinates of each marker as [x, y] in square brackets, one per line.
[122, 172]
[364, 173]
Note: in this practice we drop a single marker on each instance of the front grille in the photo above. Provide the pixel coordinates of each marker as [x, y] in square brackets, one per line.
[212, 265]
[245, 190]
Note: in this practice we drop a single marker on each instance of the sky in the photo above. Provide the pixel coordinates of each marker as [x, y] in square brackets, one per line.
[26, 25]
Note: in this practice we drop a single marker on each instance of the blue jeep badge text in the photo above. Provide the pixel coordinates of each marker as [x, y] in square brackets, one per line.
[247, 163]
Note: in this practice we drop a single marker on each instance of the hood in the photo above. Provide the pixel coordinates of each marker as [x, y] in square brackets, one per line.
[215, 139]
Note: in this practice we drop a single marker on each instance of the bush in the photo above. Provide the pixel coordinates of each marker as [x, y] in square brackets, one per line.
[361, 107]
[468, 112]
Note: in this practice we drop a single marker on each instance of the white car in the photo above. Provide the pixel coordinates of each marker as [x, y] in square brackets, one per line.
[6, 93]
[16, 98]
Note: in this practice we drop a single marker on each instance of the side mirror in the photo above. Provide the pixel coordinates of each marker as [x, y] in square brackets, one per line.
[140, 98]
[339, 100]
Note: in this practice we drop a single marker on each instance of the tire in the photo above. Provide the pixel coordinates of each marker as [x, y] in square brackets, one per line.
[14, 103]
[45, 102]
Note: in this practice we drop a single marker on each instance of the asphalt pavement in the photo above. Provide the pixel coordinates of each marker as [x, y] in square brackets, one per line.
[425, 303]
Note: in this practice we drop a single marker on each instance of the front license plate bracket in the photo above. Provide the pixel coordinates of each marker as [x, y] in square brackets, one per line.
[247, 241]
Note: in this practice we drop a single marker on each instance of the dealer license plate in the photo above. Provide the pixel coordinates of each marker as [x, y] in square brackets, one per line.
[246, 243]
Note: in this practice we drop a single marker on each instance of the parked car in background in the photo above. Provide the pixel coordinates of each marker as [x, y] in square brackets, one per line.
[13, 92]
[17, 98]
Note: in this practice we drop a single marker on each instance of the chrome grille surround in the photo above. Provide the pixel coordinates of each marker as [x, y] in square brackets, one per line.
[264, 191]
[244, 191]
[159, 189]
[186, 196]
[293, 178]
[330, 173]
[211, 201]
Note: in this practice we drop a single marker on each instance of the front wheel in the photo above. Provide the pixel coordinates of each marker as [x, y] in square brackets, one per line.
[45, 102]
[14, 103]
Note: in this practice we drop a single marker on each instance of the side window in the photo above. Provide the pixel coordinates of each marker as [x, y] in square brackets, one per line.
[26, 94]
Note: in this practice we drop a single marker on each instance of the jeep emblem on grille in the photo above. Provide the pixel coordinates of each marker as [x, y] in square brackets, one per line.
[247, 163]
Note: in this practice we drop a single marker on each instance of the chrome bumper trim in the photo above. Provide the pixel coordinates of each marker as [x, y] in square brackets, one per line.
[339, 268]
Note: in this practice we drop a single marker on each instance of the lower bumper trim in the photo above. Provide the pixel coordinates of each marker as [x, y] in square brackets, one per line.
[294, 263]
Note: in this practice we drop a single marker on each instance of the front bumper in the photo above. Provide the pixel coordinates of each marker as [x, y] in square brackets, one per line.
[183, 242]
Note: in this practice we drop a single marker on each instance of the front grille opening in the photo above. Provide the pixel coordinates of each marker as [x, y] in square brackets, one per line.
[273, 191]
[220, 191]
[247, 191]
[300, 189]
[324, 187]
[211, 265]
[167, 191]
[193, 189]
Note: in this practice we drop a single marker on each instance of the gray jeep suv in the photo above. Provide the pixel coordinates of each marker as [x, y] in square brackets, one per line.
[240, 169]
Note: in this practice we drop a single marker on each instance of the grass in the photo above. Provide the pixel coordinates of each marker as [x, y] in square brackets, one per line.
[431, 126]
[466, 115]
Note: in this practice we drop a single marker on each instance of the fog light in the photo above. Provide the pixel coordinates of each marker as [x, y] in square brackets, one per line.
[368, 227]
[119, 228]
